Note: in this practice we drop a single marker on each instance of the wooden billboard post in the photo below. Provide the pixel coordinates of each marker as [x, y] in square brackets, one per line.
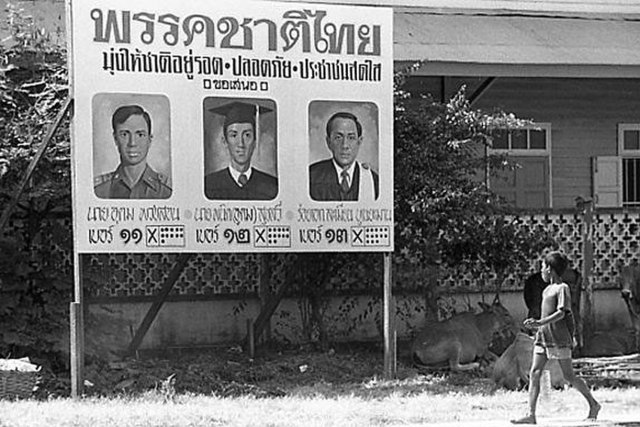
[76, 329]
[388, 319]
[586, 208]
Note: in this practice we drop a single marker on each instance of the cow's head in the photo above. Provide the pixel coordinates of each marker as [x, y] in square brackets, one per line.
[502, 325]
[496, 308]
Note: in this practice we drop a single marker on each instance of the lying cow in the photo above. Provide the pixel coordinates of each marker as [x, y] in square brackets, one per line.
[630, 288]
[461, 340]
[511, 370]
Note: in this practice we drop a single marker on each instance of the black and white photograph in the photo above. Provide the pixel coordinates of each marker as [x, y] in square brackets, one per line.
[240, 149]
[320, 213]
[346, 135]
[131, 146]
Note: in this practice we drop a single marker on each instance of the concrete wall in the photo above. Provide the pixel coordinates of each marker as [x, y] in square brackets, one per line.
[610, 310]
[203, 323]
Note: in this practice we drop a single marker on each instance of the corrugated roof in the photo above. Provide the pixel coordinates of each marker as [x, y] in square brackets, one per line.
[516, 40]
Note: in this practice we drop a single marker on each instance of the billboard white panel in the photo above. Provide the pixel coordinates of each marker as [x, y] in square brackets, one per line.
[206, 126]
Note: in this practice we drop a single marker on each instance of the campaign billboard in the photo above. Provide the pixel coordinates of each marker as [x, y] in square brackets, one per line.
[241, 126]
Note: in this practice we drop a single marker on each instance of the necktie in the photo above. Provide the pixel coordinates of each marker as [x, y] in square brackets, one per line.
[344, 182]
[242, 179]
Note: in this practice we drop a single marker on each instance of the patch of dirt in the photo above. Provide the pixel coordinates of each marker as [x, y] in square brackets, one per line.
[224, 371]
[354, 369]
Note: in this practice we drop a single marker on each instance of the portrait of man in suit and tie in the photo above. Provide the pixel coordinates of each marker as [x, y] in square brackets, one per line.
[343, 176]
[240, 155]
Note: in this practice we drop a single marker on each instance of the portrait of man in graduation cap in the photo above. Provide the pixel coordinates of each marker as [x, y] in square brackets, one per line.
[240, 178]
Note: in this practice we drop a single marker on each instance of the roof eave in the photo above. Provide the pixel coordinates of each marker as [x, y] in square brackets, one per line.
[444, 68]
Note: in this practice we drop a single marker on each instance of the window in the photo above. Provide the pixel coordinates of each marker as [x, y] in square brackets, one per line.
[533, 140]
[528, 186]
[629, 151]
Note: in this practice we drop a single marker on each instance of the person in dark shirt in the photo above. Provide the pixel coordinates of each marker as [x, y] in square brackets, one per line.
[240, 180]
[133, 178]
[342, 177]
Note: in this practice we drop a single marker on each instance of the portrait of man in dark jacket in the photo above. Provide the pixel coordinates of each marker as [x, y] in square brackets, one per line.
[240, 179]
[342, 177]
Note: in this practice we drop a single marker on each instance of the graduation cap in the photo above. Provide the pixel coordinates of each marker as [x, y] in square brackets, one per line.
[240, 112]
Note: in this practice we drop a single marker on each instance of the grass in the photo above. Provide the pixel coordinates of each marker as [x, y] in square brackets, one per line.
[292, 387]
[372, 403]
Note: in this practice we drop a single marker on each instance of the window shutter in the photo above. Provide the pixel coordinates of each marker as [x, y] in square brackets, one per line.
[607, 181]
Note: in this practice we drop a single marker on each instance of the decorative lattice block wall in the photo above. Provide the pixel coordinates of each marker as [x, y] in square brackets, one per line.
[615, 237]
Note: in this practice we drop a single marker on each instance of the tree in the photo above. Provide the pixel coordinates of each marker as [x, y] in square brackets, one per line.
[446, 214]
[35, 292]
[34, 83]
[317, 277]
